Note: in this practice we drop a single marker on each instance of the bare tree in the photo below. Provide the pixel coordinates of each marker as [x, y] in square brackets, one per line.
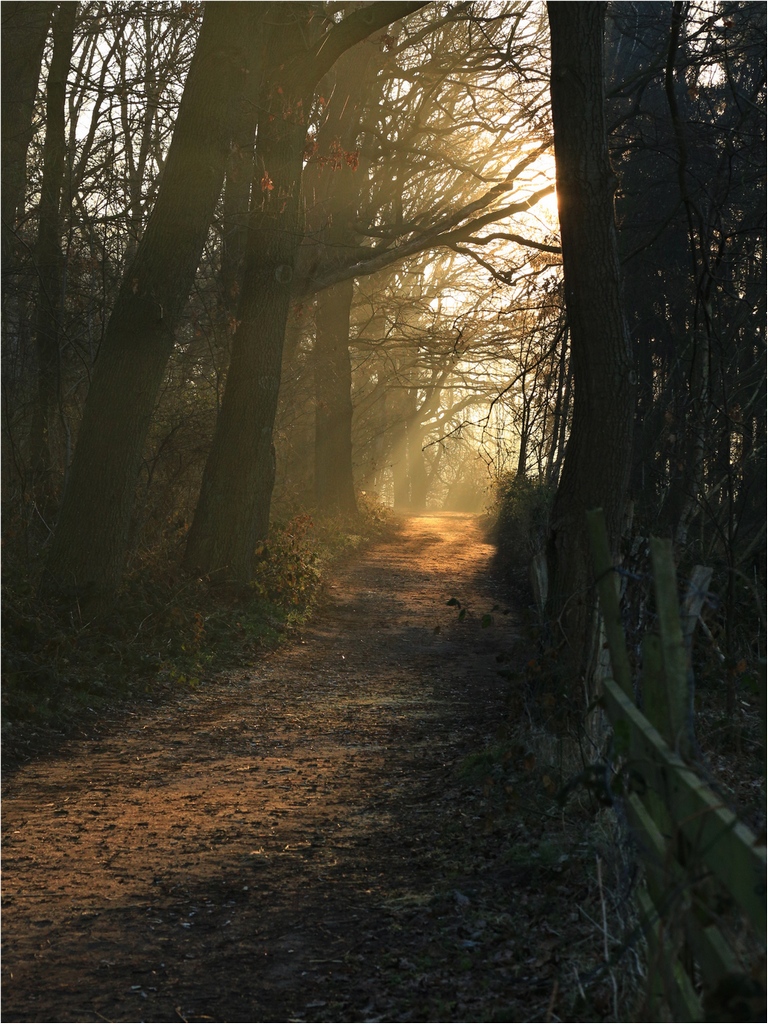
[49, 258]
[24, 30]
[233, 510]
[89, 546]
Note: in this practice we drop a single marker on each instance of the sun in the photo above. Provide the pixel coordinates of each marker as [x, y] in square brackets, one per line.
[546, 208]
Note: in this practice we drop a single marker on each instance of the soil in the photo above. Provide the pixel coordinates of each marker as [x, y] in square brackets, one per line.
[307, 841]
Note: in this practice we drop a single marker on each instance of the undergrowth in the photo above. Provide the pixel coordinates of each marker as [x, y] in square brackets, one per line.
[553, 830]
[169, 633]
[544, 760]
[518, 526]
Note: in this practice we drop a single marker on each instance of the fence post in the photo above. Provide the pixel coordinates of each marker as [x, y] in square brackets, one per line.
[677, 728]
[609, 600]
[698, 857]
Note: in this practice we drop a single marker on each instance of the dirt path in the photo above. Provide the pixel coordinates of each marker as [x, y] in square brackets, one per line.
[293, 845]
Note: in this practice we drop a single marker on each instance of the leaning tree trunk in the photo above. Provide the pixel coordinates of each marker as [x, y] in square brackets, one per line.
[90, 543]
[597, 459]
[334, 485]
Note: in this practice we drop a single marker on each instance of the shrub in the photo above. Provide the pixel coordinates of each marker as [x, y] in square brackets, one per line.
[521, 526]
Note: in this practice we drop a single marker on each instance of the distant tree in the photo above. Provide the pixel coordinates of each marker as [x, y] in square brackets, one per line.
[447, 364]
[424, 137]
[333, 183]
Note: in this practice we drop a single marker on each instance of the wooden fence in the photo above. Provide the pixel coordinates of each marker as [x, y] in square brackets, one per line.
[704, 871]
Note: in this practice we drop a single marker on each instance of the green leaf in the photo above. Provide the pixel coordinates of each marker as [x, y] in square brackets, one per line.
[486, 621]
[453, 603]
[462, 614]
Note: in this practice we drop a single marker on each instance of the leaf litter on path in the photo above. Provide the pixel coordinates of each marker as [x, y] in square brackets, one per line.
[296, 843]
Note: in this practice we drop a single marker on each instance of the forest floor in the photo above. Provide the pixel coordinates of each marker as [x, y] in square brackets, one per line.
[350, 830]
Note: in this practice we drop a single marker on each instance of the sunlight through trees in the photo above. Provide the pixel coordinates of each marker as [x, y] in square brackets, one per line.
[282, 254]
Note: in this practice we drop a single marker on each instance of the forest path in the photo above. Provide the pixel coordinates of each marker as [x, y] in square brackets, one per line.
[294, 844]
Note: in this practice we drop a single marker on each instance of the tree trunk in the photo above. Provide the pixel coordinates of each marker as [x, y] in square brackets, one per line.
[89, 546]
[597, 458]
[236, 493]
[560, 413]
[333, 183]
[24, 31]
[48, 256]
[334, 485]
[25, 27]
[237, 196]
[398, 448]
[232, 513]
[375, 451]
[401, 478]
[417, 470]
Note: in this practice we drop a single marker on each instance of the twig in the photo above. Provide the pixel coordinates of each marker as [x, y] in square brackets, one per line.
[606, 952]
[552, 999]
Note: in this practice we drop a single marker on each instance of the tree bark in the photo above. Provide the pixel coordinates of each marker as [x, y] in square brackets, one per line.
[334, 483]
[25, 27]
[597, 458]
[90, 543]
[237, 196]
[236, 493]
[417, 470]
[399, 456]
[333, 181]
[232, 513]
[48, 255]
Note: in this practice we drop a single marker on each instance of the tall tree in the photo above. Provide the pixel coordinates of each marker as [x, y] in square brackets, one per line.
[236, 492]
[48, 254]
[598, 454]
[334, 482]
[410, 176]
[687, 102]
[24, 30]
[333, 183]
[89, 545]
